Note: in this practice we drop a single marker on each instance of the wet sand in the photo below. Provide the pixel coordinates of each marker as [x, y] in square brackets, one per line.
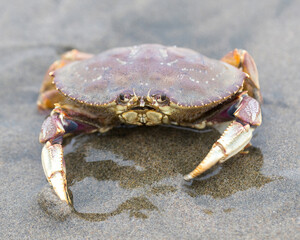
[128, 183]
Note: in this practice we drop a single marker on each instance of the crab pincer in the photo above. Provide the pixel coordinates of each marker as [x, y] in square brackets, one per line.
[236, 136]
[52, 132]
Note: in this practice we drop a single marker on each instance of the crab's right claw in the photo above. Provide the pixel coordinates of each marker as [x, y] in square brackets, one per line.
[55, 169]
[235, 139]
[52, 132]
[236, 136]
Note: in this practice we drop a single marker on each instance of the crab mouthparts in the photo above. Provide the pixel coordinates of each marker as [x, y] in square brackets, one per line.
[145, 108]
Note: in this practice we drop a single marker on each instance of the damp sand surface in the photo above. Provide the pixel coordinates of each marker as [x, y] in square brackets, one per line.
[128, 183]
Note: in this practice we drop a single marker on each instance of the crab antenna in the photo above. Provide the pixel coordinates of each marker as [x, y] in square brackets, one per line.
[134, 92]
[135, 98]
[148, 95]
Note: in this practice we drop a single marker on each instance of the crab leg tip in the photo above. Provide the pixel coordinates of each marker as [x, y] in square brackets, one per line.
[188, 177]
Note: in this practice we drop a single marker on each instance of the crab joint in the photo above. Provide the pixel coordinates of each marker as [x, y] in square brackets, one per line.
[52, 128]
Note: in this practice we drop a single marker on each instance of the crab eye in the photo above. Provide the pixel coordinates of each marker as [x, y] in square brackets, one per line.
[124, 97]
[161, 98]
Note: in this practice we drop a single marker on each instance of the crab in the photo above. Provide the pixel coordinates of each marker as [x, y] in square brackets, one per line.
[148, 85]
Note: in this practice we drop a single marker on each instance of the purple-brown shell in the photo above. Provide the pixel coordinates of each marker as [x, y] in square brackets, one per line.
[185, 76]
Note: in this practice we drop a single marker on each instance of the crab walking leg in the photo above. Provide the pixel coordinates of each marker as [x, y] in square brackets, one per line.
[235, 138]
[242, 59]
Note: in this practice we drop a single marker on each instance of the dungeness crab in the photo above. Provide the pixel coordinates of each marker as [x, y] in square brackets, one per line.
[148, 85]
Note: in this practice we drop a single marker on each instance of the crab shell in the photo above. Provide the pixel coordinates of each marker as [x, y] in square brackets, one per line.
[178, 82]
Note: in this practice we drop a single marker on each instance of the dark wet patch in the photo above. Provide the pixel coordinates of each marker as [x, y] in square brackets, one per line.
[162, 190]
[135, 207]
[162, 152]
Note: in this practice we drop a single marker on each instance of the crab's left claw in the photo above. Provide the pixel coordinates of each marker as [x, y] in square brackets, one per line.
[236, 136]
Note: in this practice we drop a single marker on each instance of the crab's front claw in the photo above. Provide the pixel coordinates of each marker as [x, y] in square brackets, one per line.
[234, 139]
[55, 169]
[52, 132]
[236, 136]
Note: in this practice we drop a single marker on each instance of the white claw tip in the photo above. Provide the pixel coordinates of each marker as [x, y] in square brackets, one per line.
[188, 177]
[58, 182]
[62, 195]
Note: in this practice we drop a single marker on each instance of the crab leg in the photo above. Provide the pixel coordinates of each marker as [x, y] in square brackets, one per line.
[236, 136]
[242, 59]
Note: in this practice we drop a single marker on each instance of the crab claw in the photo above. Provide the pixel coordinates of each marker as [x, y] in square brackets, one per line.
[235, 138]
[55, 169]
[52, 132]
